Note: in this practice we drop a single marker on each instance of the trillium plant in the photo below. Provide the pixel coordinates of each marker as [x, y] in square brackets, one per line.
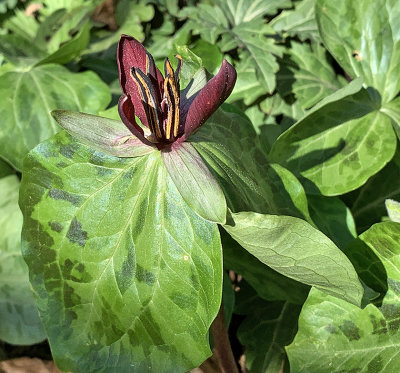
[217, 192]
[124, 223]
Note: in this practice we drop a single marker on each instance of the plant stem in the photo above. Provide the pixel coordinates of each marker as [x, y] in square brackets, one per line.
[222, 345]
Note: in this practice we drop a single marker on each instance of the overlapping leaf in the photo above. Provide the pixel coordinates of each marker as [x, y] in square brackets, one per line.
[339, 144]
[229, 146]
[127, 276]
[295, 249]
[364, 37]
[31, 94]
[335, 336]
[20, 323]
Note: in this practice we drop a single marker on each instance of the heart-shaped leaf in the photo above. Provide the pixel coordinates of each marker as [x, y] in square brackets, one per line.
[127, 276]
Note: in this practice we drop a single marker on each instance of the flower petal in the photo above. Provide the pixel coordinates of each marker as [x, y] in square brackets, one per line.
[126, 112]
[131, 53]
[208, 99]
[107, 135]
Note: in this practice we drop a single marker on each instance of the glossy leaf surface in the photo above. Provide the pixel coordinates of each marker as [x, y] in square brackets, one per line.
[335, 336]
[126, 274]
[295, 249]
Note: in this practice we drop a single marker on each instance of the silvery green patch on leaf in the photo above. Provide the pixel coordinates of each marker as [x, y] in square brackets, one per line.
[119, 229]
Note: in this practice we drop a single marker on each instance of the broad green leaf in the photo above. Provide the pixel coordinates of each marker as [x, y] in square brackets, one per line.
[18, 50]
[126, 275]
[70, 49]
[229, 146]
[299, 21]
[20, 323]
[369, 205]
[392, 109]
[195, 183]
[333, 218]
[267, 328]
[269, 284]
[393, 210]
[31, 94]
[339, 144]
[364, 37]
[106, 135]
[295, 249]
[307, 74]
[335, 336]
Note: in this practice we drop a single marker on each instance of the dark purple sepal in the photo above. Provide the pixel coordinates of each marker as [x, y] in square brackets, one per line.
[209, 99]
[126, 112]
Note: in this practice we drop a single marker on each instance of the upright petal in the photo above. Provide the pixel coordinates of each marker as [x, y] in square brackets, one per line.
[208, 99]
[131, 53]
[126, 112]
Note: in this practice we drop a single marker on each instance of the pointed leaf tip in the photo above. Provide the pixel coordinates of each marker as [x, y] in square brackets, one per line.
[106, 135]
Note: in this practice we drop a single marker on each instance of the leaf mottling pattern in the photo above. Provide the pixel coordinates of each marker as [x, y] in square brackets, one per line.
[335, 336]
[128, 278]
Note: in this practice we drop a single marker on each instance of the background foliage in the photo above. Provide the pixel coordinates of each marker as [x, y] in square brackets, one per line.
[305, 154]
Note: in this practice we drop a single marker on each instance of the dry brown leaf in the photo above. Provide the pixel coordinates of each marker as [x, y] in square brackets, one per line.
[28, 365]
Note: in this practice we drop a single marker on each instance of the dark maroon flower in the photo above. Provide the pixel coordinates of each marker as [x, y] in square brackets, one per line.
[157, 101]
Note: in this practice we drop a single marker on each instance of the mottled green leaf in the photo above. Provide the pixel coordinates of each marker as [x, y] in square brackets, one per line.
[339, 144]
[31, 94]
[127, 276]
[335, 336]
[107, 135]
[393, 210]
[228, 144]
[299, 21]
[307, 74]
[364, 37]
[295, 249]
[20, 323]
[195, 183]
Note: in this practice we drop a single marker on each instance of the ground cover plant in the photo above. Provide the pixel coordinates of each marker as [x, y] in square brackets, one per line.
[204, 185]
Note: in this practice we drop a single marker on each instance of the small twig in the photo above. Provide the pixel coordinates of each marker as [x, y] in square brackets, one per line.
[222, 345]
